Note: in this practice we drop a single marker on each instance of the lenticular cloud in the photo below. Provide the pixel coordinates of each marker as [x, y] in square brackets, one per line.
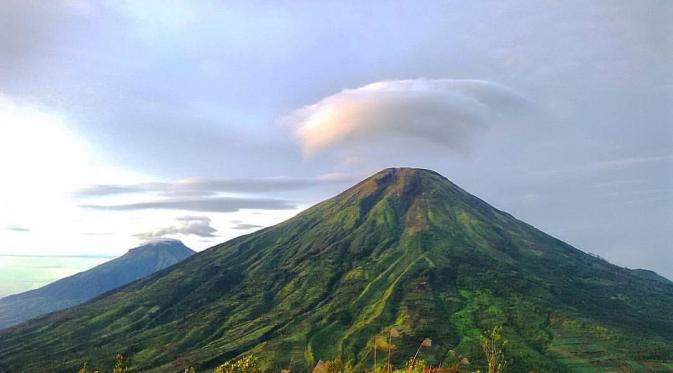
[444, 112]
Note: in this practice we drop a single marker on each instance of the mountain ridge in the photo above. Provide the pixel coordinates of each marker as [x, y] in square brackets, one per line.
[136, 263]
[405, 248]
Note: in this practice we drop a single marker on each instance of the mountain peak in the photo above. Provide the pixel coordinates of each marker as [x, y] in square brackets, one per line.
[402, 198]
[398, 175]
[403, 181]
[162, 245]
[414, 171]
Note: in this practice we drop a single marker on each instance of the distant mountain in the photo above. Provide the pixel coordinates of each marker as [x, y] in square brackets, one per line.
[135, 264]
[405, 248]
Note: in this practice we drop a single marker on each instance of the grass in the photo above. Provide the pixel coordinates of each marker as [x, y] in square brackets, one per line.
[493, 346]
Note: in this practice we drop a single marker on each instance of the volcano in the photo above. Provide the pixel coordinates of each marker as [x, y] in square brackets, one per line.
[137, 263]
[404, 249]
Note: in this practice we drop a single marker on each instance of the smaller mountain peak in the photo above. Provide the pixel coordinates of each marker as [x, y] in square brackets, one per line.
[163, 241]
[161, 244]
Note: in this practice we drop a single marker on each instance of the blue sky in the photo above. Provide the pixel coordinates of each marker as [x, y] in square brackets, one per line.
[127, 121]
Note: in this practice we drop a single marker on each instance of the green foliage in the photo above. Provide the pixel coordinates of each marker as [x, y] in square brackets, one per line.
[85, 369]
[338, 366]
[246, 364]
[119, 365]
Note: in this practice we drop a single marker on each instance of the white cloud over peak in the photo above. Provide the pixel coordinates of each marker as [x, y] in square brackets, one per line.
[443, 112]
[189, 225]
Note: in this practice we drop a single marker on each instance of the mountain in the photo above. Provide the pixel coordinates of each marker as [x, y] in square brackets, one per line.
[405, 248]
[135, 264]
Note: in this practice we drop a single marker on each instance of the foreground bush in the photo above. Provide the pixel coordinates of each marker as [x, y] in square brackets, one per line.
[493, 345]
[245, 364]
[119, 366]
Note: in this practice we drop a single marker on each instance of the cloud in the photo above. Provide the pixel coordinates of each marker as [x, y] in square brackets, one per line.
[17, 228]
[189, 225]
[201, 186]
[444, 112]
[191, 218]
[239, 225]
[218, 204]
[607, 166]
[621, 163]
[96, 234]
[105, 190]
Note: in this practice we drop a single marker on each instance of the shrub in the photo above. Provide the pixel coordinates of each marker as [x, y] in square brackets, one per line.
[246, 364]
[120, 365]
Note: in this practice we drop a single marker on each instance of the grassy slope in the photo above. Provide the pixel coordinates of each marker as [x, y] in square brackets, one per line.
[405, 248]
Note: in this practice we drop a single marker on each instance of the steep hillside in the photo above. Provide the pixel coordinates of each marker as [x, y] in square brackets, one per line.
[405, 248]
[135, 264]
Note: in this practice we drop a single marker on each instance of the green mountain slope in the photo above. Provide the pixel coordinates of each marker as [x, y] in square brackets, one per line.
[404, 248]
[135, 264]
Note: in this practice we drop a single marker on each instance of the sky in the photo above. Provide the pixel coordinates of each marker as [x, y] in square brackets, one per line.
[21, 273]
[128, 121]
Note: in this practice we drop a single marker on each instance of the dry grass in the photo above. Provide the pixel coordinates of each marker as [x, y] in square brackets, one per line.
[493, 345]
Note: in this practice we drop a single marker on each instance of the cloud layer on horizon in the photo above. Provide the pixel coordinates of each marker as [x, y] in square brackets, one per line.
[203, 186]
[444, 112]
[216, 204]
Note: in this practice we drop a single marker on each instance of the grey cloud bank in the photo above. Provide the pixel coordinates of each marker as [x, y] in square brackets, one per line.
[246, 226]
[218, 204]
[201, 186]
